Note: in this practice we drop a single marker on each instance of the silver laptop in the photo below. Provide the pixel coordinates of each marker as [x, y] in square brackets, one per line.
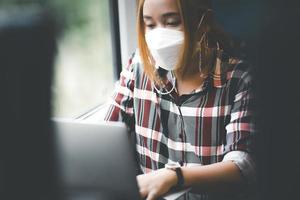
[96, 161]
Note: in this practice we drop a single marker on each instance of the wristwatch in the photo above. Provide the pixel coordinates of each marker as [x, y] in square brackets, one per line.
[177, 168]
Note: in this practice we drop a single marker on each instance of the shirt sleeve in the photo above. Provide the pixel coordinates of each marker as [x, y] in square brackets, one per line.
[246, 163]
[240, 131]
[121, 104]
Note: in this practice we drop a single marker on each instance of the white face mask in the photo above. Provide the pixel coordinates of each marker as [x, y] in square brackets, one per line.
[165, 45]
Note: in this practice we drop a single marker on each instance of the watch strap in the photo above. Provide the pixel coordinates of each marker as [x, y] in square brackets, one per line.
[176, 167]
[180, 179]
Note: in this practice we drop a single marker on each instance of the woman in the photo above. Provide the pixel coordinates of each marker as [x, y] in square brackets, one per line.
[187, 101]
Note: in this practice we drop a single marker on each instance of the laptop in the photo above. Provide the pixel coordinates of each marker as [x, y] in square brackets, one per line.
[96, 161]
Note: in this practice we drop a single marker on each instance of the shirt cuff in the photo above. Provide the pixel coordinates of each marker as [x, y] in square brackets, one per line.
[245, 162]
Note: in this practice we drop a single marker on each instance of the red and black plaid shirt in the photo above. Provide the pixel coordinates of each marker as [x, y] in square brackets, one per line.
[198, 128]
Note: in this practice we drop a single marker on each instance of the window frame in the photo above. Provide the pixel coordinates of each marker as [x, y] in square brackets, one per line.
[115, 36]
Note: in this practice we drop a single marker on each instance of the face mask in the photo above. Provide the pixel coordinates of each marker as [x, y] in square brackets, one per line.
[165, 45]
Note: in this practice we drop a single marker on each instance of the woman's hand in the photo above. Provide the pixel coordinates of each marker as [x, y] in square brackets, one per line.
[157, 183]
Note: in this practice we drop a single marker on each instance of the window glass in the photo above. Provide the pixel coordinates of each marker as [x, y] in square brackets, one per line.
[83, 73]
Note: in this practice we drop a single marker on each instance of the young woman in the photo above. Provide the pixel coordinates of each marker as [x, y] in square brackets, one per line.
[187, 101]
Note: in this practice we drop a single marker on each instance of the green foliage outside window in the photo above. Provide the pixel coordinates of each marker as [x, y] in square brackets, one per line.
[83, 75]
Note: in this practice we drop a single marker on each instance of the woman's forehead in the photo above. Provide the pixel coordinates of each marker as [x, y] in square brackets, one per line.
[159, 6]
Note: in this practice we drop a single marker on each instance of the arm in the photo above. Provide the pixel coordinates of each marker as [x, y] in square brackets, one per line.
[223, 177]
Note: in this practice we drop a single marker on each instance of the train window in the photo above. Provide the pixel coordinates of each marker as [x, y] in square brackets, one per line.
[83, 74]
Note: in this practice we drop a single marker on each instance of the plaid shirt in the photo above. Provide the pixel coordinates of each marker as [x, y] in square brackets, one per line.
[198, 128]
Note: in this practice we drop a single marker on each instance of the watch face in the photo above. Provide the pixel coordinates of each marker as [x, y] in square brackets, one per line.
[172, 165]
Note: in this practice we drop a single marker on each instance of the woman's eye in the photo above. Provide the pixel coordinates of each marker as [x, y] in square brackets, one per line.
[150, 26]
[173, 24]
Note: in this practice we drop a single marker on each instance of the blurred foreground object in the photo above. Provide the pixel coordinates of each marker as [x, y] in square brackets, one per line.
[27, 50]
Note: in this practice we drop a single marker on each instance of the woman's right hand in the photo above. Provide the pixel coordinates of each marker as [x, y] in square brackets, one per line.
[156, 183]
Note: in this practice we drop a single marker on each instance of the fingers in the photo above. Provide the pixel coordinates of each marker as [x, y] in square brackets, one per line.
[142, 185]
[148, 190]
[143, 193]
[152, 195]
[155, 184]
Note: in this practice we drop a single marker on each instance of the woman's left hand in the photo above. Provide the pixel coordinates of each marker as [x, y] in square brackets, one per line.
[156, 183]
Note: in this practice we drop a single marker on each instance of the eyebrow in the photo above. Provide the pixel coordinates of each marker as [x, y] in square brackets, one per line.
[165, 15]
[170, 14]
